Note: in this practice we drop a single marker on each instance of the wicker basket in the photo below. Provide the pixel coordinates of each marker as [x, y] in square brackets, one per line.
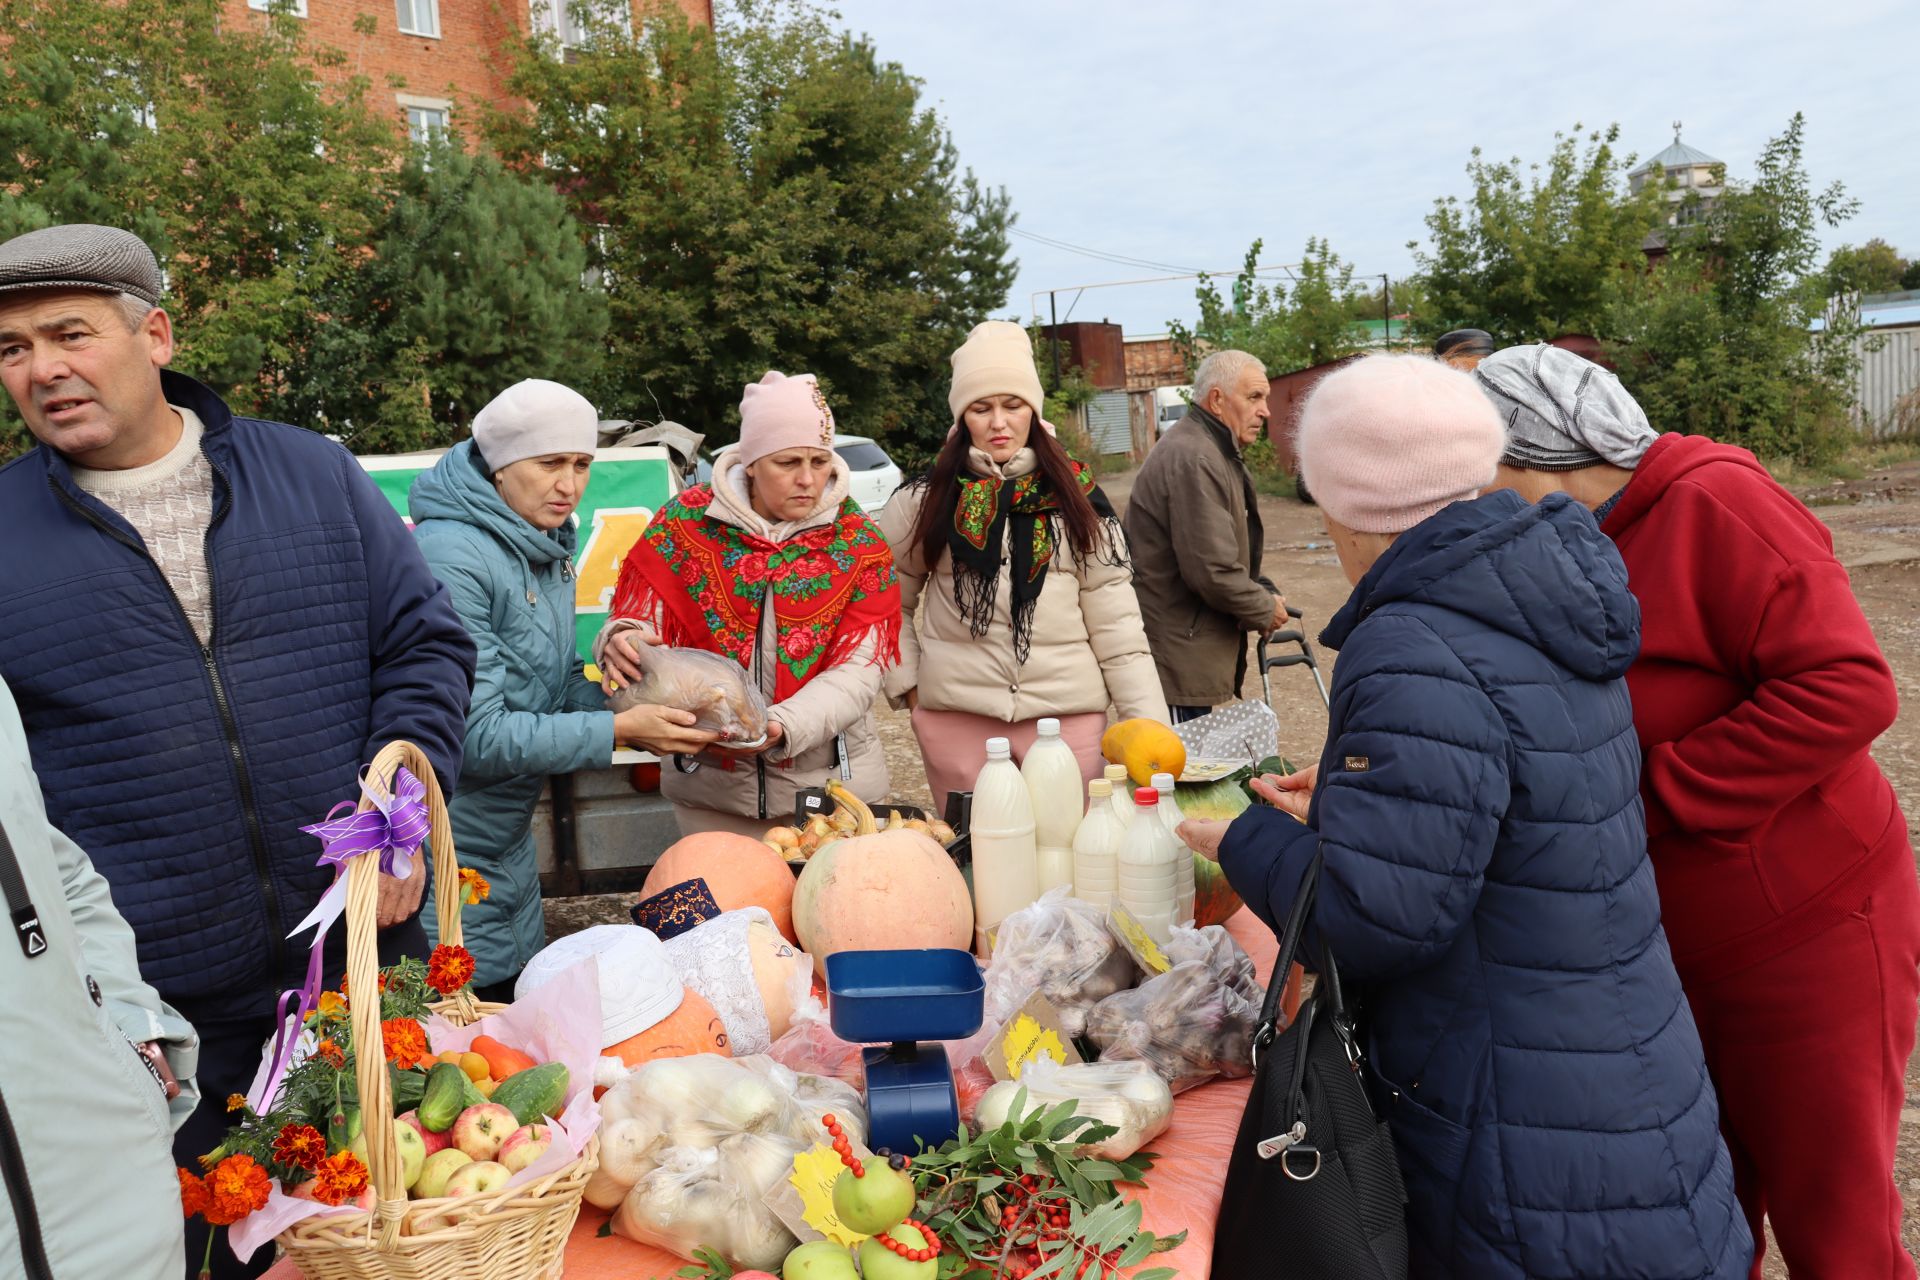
[516, 1233]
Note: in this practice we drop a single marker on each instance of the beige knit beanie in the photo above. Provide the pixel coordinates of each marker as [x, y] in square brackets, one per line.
[995, 360]
[1388, 440]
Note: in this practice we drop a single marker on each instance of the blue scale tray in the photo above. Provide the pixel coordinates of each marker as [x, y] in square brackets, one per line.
[885, 997]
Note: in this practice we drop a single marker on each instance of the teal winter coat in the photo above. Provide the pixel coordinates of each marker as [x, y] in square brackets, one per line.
[533, 712]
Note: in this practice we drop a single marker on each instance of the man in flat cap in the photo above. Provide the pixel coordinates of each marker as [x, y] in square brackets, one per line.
[212, 623]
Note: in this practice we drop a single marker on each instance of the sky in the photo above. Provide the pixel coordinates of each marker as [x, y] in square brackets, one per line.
[1177, 134]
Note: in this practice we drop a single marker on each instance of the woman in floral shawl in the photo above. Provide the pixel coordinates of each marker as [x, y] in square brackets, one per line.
[774, 566]
[1022, 579]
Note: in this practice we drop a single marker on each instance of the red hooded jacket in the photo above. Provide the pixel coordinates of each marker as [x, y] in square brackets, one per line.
[1758, 690]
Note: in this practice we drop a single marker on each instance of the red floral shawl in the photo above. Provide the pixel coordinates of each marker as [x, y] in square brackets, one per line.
[706, 582]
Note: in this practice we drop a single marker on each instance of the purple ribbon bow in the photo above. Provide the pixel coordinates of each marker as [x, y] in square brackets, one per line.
[393, 829]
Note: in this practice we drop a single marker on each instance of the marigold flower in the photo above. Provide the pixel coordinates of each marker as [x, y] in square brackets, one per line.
[236, 1187]
[328, 1051]
[299, 1146]
[449, 969]
[193, 1193]
[405, 1041]
[330, 1005]
[236, 1101]
[339, 1178]
[473, 886]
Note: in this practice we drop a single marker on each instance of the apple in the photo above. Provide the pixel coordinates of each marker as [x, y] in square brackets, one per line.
[525, 1145]
[480, 1175]
[819, 1260]
[481, 1128]
[434, 1141]
[877, 1262]
[439, 1168]
[413, 1153]
[873, 1203]
[754, 1275]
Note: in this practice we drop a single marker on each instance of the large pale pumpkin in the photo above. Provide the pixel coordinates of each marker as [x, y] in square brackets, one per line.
[739, 870]
[878, 891]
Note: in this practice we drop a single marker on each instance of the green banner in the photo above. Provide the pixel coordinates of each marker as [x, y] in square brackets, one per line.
[626, 487]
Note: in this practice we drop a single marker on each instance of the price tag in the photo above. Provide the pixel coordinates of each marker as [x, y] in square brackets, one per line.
[1133, 936]
[1029, 1035]
[814, 1173]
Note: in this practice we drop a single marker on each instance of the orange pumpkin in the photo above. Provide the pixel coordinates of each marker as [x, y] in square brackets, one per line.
[739, 870]
[879, 890]
[692, 1028]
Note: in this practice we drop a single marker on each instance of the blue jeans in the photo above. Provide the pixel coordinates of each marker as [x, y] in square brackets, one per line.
[1183, 714]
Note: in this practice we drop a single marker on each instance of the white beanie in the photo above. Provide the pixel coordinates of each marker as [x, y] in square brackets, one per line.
[638, 985]
[532, 419]
[995, 360]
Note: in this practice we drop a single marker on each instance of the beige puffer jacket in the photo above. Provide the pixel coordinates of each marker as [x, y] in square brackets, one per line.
[1088, 649]
[835, 706]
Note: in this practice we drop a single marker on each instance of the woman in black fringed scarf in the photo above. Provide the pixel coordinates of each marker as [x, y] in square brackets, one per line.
[1020, 573]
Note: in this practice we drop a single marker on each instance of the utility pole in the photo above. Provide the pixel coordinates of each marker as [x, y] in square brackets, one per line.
[1053, 334]
[1386, 314]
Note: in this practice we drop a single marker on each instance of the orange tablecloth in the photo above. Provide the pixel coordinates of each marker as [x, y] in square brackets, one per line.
[1182, 1192]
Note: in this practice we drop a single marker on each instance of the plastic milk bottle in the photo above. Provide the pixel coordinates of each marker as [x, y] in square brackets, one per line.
[1171, 818]
[1096, 847]
[1122, 793]
[1146, 885]
[1052, 773]
[1006, 872]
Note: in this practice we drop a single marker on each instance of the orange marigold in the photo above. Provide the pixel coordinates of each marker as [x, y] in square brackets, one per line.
[236, 1187]
[193, 1193]
[339, 1178]
[299, 1146]
[328, 1051]
[449, 969]
[405, 1041]
[236, 1101]
[473, 886]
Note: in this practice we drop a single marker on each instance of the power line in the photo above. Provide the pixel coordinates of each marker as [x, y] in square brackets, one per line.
[1119, 259]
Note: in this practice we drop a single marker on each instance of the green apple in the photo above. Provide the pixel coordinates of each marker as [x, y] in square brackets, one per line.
[819, 1260]
[413, 1153]
[440, 1166]
[877, 1262]
[875, 1202]
[477, 1176]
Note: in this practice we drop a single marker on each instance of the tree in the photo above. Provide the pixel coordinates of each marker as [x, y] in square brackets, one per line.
[1718, 340]
[1284, 330]
[775, 197]
[1874, 267]
[1537, 251]
[476, 280]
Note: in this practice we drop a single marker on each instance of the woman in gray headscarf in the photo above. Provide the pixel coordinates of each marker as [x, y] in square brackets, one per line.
[1787, 883]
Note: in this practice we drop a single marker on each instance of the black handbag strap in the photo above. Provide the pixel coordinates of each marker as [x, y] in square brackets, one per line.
[1290, 936]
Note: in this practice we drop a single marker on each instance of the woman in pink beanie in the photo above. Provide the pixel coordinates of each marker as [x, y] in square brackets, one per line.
[1018, 570]
[774, 566]
[1474, 838]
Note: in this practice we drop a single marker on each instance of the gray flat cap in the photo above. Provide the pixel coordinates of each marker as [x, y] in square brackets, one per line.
[81, 256]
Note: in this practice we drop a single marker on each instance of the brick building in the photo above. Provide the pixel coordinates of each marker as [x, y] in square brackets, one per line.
[434, 61]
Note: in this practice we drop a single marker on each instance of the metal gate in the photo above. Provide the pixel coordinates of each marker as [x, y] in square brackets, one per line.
[1108, 424]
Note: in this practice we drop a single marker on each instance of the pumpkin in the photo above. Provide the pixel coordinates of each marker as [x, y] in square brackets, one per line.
[1145, 747]
[739, 870]
[879, 890]
[692, 1028]
[1214, 900]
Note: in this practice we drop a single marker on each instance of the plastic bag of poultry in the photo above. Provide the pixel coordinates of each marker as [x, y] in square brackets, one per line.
[722, 697]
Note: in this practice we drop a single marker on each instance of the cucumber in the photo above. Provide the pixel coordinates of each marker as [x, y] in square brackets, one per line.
[444, 1097]
[534, 1094]
[408, 1087]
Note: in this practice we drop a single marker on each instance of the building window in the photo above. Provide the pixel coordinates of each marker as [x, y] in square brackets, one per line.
[426, 124]
[298, 8]
[573, 20]
[419, 17]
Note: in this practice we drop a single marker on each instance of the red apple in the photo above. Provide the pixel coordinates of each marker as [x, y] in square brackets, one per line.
[435, 1141]
[480, 1130]
[525, 1145]
[478, 1177]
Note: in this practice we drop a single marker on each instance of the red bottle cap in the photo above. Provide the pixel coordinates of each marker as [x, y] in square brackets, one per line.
[1146, 797]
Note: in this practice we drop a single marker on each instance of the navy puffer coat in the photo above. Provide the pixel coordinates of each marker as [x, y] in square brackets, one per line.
[1487, 891]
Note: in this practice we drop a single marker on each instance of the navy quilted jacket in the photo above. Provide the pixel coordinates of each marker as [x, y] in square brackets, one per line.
[1487, 891]
[186, 775]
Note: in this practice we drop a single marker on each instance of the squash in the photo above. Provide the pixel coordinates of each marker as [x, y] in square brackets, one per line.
[1213, 898]
[739, 870]
[1145, 747]
[879, 890]
[692, 1028]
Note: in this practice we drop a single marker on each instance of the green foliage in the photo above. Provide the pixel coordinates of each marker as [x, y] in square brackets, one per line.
[1874, 267]
[771, 195]
[1716, 341]
[1310, 325]
[1537, 251]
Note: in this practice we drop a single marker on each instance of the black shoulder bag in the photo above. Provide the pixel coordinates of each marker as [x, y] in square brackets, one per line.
[1313, 1187]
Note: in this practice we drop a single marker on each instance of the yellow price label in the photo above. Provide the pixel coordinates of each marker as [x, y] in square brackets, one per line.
[1027, 1041]
[1137, 940]
[814, 1173]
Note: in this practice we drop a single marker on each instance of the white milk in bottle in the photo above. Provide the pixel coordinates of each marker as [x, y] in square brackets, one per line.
[1171, 818]
[1146, 885]
[1006, 872]
[1052, 772]
[1122, 793]
[1096, 847]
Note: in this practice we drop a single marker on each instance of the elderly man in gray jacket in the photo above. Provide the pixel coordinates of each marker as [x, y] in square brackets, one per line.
[89, 1058]
[1193, 526]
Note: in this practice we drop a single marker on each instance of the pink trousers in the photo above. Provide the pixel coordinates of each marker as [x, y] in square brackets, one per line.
[953, 745]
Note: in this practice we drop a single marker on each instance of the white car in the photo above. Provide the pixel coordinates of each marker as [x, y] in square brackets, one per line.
[872, 474]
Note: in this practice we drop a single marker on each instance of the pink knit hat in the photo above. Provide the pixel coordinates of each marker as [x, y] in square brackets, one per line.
[1388, 440]
[780, 412]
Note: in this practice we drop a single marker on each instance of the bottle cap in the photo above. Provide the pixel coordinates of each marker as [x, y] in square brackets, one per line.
[1163, 782]
[1146, 797]
[1100, 789]
[1049, 727]
[1116, 773]
[998, 749]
